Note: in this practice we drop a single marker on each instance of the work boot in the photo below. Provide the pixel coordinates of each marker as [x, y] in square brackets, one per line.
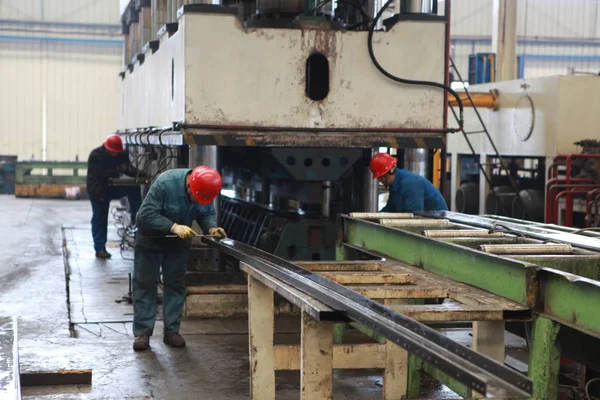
[141, 343]
[174, 339]
[103, 254]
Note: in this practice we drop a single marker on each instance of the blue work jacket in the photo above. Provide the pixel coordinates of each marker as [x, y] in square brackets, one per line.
[166, 203]
[411, 192]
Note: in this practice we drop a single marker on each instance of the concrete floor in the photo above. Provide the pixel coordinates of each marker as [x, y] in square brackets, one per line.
[33, 287]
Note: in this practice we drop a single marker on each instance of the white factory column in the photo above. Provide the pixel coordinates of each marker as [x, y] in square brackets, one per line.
[504, 39]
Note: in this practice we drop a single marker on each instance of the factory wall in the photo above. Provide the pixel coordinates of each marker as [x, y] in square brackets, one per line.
[59, 65]
[557, 37]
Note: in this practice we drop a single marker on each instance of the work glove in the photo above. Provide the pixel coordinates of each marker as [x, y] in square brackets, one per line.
[219, 232]
[183, 232]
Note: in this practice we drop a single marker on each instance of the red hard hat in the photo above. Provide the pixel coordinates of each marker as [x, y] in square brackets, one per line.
[381, 164]
[114, 143]
[205, 184]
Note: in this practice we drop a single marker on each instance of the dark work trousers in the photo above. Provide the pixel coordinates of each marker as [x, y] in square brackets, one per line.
[100, 209]
[146, 267]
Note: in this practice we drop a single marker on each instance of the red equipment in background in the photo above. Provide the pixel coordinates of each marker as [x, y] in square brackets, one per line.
[576, 178]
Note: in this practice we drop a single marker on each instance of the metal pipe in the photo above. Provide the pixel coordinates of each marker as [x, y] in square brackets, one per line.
[370, 189]
[60, 24]
[569, 203]
[462, 233]
[63, 40]
[376, 215]
[527, 249]
[413, 222]
[486, 100]
[553, 184]
[526, 40]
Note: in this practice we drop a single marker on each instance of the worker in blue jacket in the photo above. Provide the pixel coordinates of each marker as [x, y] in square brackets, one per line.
[176, 199]
[409, 192]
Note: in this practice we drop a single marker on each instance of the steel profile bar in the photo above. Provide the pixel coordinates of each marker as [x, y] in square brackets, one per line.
[368, 215]
[475, 370]
[461, 233]
[414, 222]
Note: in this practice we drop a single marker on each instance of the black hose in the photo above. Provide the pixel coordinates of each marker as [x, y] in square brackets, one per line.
[410, 81]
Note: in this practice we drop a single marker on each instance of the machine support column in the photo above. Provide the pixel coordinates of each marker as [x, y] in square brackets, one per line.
[504, 39]
[544, 358]
[417, 160]
[454, 180]
[159, 16]
[484, 187]
[209, 156]
[370, 187]
[326, 188]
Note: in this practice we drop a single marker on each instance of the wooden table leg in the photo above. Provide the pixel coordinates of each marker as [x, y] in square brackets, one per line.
[316, 379]
[395, 375]
[261, 328]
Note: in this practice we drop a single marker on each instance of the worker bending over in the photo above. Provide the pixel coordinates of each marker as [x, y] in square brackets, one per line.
[409, 192]
[175, 199]
[105, 162]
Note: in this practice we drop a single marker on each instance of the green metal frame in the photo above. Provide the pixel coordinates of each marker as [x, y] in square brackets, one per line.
[571, 300]
[558, 298]
[24, 168]
[505, 277]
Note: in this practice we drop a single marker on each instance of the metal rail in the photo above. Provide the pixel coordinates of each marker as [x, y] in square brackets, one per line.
[531, 231]
[475, 370]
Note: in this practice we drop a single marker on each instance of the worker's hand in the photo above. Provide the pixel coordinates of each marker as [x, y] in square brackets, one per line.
[219, 232]
[122, 168]
[182, 231]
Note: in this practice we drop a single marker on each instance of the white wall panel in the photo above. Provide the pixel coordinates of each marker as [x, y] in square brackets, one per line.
[76, 11]
[60, 88]
[559, 36]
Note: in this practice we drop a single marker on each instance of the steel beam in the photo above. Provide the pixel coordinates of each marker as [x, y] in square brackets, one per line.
[473, 369]
[508, 278]
[570, 300]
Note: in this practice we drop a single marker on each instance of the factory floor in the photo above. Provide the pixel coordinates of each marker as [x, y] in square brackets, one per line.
[80, 324]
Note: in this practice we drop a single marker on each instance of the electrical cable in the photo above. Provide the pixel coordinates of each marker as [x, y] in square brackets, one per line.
[410, 81]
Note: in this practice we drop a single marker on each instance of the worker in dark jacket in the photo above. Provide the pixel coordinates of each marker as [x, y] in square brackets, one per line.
[409, 192]
[105, 162]
[176, 199]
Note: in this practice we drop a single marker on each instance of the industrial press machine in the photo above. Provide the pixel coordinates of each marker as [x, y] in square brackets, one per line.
[286, 100]
[289, 100]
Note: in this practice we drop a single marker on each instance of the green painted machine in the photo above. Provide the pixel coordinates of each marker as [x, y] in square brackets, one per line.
[550, 269]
